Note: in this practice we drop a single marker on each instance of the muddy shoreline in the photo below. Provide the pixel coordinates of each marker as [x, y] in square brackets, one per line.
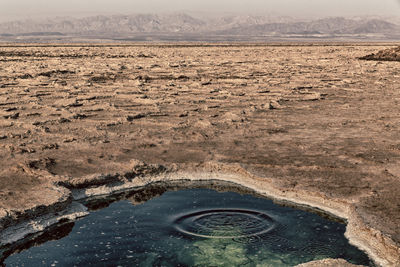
[378, 246]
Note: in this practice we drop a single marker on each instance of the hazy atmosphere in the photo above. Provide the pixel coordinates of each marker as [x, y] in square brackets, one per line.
[19, 9]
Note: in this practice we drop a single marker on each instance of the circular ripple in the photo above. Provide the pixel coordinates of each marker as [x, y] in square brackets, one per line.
[225, 223]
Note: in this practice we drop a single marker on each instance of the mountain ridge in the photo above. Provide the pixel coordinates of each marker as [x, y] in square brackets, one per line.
[184, 24]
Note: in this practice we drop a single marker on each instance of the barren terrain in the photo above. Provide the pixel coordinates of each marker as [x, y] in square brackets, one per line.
[308, 119]
[390, 54]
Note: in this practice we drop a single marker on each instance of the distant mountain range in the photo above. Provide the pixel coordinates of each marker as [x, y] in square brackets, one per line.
[186, 27]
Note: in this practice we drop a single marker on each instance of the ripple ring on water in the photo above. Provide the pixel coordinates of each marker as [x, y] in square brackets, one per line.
[225, 223]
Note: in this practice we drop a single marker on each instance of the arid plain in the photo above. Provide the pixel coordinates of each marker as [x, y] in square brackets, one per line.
[312, 121]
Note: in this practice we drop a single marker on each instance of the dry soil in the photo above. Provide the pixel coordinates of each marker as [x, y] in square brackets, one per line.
[312, 118]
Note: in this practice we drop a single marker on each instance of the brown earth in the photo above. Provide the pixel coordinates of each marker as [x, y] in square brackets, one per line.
[310, 118]
[391, 54]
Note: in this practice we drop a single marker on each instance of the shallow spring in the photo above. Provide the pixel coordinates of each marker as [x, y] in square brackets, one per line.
[192, 227]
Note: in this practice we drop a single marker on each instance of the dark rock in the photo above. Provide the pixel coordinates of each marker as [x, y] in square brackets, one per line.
[135, 117]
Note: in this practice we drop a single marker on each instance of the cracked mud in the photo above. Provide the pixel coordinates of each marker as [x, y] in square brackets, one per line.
[306, 119]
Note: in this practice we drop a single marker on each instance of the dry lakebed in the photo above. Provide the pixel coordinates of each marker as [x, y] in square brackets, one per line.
[309, 124]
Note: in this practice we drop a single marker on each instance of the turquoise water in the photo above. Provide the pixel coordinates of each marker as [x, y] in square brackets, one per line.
[195, 227]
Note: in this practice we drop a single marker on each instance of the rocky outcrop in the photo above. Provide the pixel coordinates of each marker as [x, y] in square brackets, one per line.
[391, 54]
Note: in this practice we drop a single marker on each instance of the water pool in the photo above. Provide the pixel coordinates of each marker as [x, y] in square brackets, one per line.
[195, 227]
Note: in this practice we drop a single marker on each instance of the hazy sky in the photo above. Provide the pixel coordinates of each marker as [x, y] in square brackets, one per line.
[16, 9]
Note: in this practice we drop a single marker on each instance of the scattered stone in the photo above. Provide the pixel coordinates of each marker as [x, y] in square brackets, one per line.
[184, 114]
[76, 104]
[64, 120]
[69, 140]
[10, 109]
[183, 77]
[13, 116]
[144, 55]
[39, 94]
[26, 150]
[50, 147]
[102, 78]
[37, 123]
[51, 73]
[135, 117]
[299, 88]
[42, 164]
[79, 116]
[213, 106]
[274, 105]
[26, 76]
[33, 114]
[206, 83]
[146, 145]
[46, 129]
[111, 124]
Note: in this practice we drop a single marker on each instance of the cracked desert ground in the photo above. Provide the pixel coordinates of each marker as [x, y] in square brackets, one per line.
[311, 119]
